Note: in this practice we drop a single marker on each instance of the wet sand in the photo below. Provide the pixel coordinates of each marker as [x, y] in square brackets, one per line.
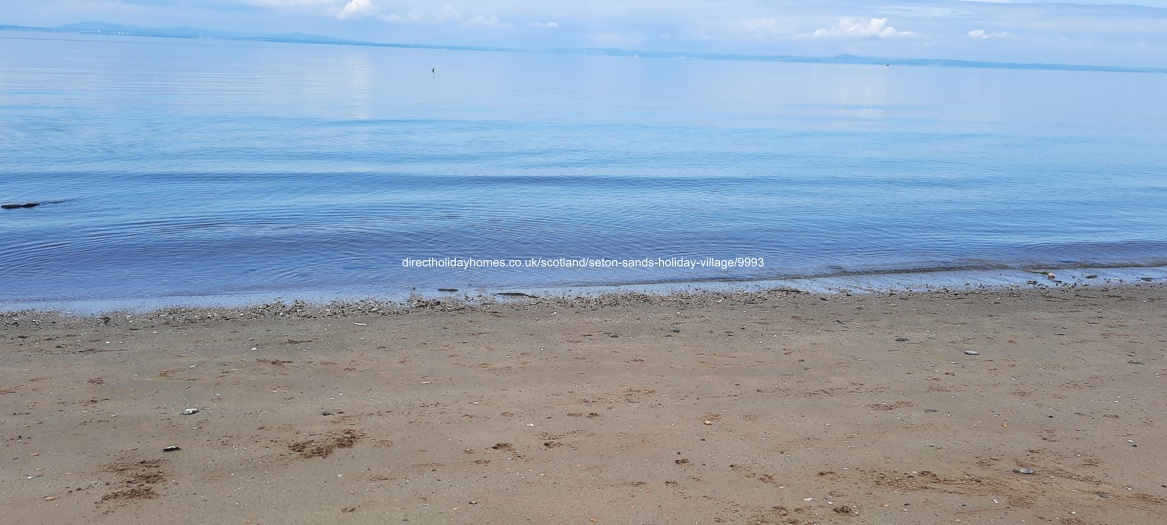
[754, 408]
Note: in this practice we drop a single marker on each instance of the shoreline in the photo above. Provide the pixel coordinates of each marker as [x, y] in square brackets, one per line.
[925, 280]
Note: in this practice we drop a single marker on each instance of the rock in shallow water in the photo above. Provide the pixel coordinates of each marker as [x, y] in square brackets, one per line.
[16, 206]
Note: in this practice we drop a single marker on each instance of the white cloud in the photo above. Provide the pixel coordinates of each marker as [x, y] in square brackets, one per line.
[485, 21]
[549, 25]
[412, 17]
[982, 35]
[449, 14]
[356, 8]
[857, 28]
[763, 28]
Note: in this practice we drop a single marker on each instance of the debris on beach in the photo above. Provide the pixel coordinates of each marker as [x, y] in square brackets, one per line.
[171, 448]
[1024, 471]
[971, 352]
[190, 411]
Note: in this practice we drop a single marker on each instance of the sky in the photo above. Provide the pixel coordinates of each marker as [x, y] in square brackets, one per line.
[1094, 33]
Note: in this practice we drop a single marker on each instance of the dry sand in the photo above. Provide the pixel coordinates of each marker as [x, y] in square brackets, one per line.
[742, 408]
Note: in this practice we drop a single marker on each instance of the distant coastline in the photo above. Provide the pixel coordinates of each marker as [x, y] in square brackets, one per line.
[106, 29]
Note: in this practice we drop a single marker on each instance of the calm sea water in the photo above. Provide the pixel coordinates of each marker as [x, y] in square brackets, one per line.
[178, 169]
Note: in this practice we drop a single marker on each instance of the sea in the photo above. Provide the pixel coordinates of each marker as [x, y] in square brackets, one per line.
[174, 171]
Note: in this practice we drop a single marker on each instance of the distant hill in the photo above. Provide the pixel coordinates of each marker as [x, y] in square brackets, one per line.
[101, 28]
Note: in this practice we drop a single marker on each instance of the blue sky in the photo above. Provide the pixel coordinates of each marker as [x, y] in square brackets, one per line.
[1098, 33]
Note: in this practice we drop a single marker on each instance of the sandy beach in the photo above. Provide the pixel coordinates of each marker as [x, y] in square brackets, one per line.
[1000, 406]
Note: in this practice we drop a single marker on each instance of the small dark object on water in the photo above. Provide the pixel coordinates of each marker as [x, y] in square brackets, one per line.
[1148, 279]
[1024, 471]
[16, 206]
[1092, 276]
[447, 289]
[171, 448]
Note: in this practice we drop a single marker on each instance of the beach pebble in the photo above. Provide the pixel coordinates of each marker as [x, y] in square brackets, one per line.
[708, 422]
[1024, 471]
[971, 352]
[190, 411]
[171, 448]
